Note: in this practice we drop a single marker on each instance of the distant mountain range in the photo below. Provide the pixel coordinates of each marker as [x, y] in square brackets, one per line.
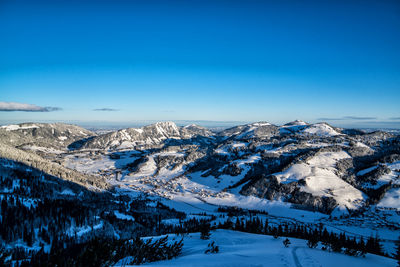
[313, 166]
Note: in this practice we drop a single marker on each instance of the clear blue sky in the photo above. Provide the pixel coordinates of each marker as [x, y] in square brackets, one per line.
[202, 60]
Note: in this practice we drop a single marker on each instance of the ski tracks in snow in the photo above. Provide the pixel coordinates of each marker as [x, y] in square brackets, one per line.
[295, 258]
[308, 261]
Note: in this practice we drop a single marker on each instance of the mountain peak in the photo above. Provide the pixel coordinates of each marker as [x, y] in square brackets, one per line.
[296, 123]
[192, 126]
[165, 123]
[260, 123]
[167, 128]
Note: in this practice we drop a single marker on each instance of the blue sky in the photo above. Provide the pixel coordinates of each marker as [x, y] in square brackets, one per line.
[126, 61]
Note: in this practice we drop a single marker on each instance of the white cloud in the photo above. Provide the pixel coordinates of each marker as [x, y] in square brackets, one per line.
[105, 109]
[13, 106]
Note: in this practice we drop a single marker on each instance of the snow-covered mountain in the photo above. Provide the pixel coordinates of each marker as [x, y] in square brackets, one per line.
[321, 129]
[253, 130]
[192, 130]
[154, 134]
[313, 166]
[301, 173]
[46, 137]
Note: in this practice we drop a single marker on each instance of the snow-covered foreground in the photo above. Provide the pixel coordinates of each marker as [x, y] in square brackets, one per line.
[244, 249]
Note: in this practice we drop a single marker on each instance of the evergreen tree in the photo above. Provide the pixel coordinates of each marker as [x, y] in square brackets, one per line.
[205, 231]
[312, 242]
[397, 254]
[373, 245]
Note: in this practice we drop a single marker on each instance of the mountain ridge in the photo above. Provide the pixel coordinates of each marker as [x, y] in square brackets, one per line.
[248, 159]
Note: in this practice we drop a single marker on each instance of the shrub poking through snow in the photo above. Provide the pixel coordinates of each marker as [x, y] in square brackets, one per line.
[286, 242]
[212, 248]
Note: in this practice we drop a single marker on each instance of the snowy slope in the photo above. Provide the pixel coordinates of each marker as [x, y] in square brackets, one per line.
[244, 249]
[45, 137]
[320, 129]
[392, 197]
[321, 179]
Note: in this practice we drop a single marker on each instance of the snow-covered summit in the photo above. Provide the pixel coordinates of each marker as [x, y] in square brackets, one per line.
[195, 130]
[150, 135]
[296, 123]
[252, 130]
[261, 123]
[321, 129]
[14, 127]
[165, 127]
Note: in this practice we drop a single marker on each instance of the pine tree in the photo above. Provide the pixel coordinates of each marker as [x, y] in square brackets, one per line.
[266, 229]
[397, 254]
[378, 246]
[205, 231]
[312, 241]
[373, 245]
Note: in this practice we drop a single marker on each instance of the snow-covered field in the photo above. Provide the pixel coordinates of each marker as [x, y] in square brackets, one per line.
[244, 249]
[98, 164]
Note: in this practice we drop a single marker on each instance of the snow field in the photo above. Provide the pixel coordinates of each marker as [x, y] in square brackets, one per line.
[245, 249]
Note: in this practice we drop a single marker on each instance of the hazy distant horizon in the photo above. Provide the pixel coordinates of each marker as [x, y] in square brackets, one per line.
[113, 125]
